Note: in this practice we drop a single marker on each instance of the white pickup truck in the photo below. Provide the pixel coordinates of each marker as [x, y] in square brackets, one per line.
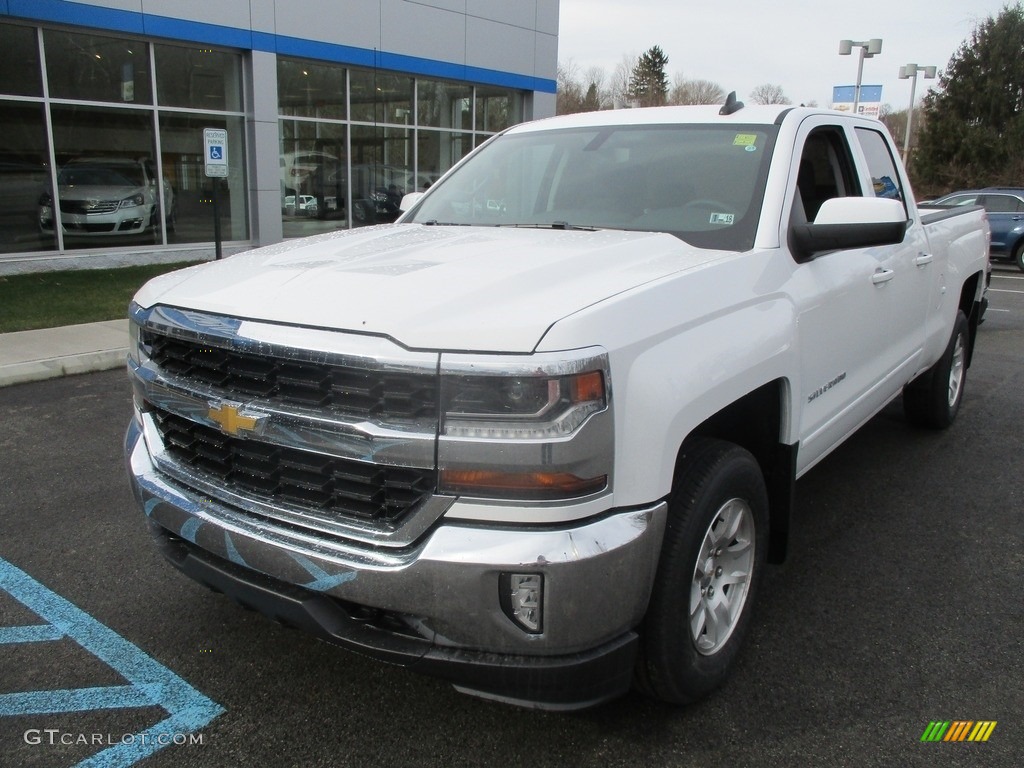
[540, 437]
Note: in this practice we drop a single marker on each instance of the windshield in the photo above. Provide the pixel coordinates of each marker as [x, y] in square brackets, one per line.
[702, 183]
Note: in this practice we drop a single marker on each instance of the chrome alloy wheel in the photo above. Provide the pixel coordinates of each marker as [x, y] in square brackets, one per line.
[956, 371]
[721, 577]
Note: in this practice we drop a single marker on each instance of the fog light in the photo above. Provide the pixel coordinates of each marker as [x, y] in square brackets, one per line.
[522, 599]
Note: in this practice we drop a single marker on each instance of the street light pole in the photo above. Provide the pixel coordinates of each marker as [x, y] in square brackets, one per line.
[909, 71]
[868, 48]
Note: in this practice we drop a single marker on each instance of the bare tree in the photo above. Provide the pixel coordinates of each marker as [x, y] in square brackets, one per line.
[685, 91]
[618, 87]
[769, 94]
[570, 94]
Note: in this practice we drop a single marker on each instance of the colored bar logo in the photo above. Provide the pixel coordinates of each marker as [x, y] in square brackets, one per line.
[958, 730]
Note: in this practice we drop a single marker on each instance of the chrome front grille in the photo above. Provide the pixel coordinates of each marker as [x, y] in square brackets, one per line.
[289, 476]
[241, 375]
[89, 206]
[328, 432]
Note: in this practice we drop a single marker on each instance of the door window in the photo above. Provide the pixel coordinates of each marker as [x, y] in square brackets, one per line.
[885, 180]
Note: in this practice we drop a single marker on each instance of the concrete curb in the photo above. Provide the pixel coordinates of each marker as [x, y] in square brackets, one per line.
[27, 356]
[38, 370]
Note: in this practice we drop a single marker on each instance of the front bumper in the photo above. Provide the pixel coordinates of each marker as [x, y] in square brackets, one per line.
[435, 605]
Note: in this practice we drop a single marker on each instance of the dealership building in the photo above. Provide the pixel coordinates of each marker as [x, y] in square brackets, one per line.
[132, 131]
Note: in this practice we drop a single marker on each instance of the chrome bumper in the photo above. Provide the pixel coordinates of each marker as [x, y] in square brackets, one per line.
[444, 588]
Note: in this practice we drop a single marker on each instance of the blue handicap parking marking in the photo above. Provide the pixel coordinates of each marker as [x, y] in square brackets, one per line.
[149, 682]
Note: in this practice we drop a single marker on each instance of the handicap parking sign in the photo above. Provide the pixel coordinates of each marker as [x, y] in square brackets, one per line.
[216, 142]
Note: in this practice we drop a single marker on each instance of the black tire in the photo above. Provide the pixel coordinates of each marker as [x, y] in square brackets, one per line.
[933, 399]
[681, 657]
[1018, 257]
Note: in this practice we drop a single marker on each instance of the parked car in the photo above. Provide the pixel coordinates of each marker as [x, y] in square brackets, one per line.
[306, 206]
[1005, 208]
[106, 196]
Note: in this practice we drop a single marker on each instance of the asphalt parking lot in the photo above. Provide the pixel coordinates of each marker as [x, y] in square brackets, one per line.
[900, 606]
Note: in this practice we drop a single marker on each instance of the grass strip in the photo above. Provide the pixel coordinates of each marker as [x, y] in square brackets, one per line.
[53, 299]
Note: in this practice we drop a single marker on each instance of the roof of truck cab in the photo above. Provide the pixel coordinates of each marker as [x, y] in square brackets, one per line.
[752, 115]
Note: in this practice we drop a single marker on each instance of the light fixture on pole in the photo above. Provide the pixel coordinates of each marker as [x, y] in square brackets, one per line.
[909, 72]
[868, 48]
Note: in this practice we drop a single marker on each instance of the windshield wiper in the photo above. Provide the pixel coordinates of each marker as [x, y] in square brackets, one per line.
[553, 225]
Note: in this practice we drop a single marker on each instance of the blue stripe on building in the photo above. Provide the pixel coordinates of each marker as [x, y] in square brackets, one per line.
[152, 25]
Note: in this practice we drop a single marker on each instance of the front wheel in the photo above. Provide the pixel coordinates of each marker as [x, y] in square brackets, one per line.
[933, 399]
[1018, 257]
[711, 563]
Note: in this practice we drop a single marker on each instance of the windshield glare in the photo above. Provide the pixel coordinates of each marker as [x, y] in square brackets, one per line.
[702, 183]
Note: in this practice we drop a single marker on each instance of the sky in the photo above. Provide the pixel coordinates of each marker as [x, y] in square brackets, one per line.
[791, 43]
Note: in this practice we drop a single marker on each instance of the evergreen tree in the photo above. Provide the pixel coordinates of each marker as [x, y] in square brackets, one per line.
[973, 127]
[648, 83]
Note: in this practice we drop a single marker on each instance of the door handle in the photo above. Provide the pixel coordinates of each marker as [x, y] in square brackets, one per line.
[922, 259]
[882, 276]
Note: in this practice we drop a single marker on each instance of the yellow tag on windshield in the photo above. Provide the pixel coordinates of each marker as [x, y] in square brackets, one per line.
[745, 140]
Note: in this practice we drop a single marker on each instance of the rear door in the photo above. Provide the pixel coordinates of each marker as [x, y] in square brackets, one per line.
[1005, 217]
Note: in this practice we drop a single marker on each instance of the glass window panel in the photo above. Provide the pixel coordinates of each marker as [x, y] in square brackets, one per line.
[24, 178]
[106, 178]
[439, 151]
[445, 105]
[381, 98]
[314, 184]
[192, 216]
[1001, 204]
[20, 74]
[95, 68]
[198, 78]
[381, 173]
[497, 108]
[885, 180]
[305, 89]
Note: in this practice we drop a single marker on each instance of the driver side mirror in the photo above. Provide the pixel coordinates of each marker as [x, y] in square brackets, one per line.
[849, 222]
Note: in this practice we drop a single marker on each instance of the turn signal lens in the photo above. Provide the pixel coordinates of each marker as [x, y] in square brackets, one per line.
[521, 485]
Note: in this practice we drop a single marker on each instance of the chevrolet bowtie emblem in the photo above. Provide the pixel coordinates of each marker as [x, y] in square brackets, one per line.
[232, 420]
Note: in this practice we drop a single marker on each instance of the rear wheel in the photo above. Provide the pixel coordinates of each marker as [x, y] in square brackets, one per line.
[1018, 257]
[711, 562]
[933, 399]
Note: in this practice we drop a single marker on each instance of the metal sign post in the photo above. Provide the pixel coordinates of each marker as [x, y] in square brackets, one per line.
[215, 152]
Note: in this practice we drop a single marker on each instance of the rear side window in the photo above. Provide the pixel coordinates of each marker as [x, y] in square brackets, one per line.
[1001, 204]
[885, 180]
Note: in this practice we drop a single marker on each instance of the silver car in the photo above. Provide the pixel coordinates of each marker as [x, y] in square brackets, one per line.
[105, 197]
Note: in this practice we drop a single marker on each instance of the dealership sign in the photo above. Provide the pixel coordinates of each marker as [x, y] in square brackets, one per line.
[869, 104]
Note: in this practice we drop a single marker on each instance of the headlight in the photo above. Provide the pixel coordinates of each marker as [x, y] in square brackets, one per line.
[133, 201]
[517, 407]
[527, 428]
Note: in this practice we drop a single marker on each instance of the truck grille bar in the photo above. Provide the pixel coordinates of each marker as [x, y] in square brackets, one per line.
[275, 474]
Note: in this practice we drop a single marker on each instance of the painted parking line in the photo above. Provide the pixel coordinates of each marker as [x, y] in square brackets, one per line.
[150, 683]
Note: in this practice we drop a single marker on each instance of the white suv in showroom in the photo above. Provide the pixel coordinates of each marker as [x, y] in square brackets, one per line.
[106, 197]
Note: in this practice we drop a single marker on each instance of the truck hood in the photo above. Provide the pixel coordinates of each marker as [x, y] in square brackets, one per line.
[429, 287]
